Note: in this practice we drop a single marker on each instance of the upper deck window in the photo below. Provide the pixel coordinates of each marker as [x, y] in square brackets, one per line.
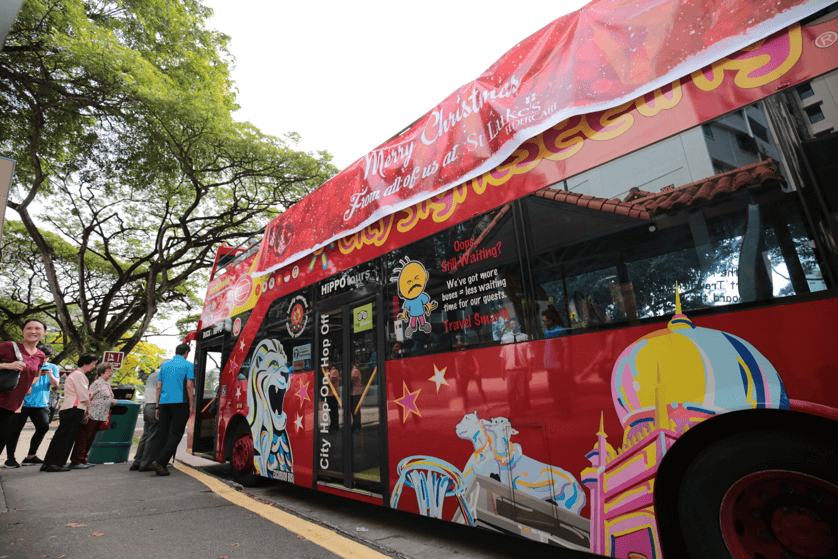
[612, 249]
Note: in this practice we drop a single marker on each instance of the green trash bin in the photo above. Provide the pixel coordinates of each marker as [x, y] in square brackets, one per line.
[114, 443]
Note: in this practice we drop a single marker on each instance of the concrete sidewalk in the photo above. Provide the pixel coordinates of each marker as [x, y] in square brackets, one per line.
[108, 511]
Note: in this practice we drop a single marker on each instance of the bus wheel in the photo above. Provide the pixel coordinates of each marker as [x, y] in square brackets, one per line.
[780, 514]
[242, 460]
[762, 496]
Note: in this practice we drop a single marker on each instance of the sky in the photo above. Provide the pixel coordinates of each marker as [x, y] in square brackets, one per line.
[347, 76]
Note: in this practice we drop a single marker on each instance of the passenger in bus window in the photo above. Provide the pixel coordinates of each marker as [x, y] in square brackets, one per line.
[372, 362]
[588, 311]
[551, 321]
[357, 389]
[395, 351]
[331, 399]
[499, 327]
[512, 332]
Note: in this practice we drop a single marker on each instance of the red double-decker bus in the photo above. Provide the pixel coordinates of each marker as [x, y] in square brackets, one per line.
[616, 340]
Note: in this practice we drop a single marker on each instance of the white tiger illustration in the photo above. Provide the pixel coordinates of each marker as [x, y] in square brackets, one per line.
[269, 379]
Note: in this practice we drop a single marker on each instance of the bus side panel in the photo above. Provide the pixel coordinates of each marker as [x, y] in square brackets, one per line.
[446, 422]
[299, 406]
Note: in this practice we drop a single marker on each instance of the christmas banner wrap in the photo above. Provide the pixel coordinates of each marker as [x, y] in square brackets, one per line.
[607, 53]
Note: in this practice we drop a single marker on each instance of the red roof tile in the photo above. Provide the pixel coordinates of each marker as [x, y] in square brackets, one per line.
[642, 205]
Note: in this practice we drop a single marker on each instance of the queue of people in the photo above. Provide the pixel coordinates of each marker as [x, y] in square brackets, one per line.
[29, 391]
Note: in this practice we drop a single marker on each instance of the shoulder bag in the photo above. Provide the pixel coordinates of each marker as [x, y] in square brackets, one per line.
[9, 378]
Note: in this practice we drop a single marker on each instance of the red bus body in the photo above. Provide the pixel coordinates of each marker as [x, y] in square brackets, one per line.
[574, 426]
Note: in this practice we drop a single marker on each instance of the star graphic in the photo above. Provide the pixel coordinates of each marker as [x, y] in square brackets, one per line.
[233, 366]
[439, 377]
[302, 392]
[299, 422]
[238, 392]
[408, 402]
[241, 345]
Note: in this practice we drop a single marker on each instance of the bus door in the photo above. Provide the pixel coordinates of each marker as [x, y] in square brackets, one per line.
[349, 380]
[207, 376]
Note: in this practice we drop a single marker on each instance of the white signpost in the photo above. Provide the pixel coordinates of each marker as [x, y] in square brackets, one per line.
[113, 358]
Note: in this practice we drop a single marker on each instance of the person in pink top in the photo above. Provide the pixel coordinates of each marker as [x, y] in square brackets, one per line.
[74, 410]
[101, 400]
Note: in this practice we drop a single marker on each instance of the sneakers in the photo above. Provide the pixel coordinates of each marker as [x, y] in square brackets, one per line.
[52, 468]
[12, 463]
[78, 466]
[146, 469]
[161, 470]
[134, 468]
[34, 461]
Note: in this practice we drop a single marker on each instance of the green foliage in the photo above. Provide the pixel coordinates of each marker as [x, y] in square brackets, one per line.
[131, 168]
[137, 365]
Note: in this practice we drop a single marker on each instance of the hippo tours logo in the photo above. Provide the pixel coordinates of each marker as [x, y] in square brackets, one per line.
[242, 290]
[297, 316]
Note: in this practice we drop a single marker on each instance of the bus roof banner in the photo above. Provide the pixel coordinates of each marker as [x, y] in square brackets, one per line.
[608, 53]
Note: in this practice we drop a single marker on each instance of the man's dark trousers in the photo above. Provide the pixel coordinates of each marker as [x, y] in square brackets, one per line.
[171, 424]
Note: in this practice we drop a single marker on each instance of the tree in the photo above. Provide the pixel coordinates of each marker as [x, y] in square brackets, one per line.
[143, 360]
[131, 169]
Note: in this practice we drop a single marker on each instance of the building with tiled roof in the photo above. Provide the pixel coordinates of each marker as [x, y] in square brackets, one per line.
[645, 205]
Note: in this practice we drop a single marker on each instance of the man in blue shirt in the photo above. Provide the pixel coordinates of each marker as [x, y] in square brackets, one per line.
[175, 400]
[36, 408]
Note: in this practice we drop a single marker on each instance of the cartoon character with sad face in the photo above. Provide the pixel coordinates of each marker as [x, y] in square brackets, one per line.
[417, 306]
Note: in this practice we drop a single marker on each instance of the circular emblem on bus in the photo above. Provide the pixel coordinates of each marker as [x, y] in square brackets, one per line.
[271, 283]
[241, 293]
[827, 39]
[237, 327]
[295, 272]
[297, 316]
[281, 237]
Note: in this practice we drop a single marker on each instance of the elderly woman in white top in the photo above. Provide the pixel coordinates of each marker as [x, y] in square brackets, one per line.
[101, 400]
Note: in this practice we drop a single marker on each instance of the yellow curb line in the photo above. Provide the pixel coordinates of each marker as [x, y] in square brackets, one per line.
[325, 538]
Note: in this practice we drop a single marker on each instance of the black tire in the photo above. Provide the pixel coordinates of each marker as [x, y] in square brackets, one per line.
[706, 481]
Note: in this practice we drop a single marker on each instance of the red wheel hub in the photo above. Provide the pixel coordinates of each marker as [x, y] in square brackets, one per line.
[242, 458]
[780, 515]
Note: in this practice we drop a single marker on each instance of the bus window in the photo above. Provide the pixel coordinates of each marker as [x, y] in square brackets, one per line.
[458, 288]
[609, 245]
[231, 339]
[287, 324]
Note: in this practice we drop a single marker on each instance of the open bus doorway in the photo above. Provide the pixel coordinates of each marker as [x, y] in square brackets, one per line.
[349, 419]
[207, 375]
